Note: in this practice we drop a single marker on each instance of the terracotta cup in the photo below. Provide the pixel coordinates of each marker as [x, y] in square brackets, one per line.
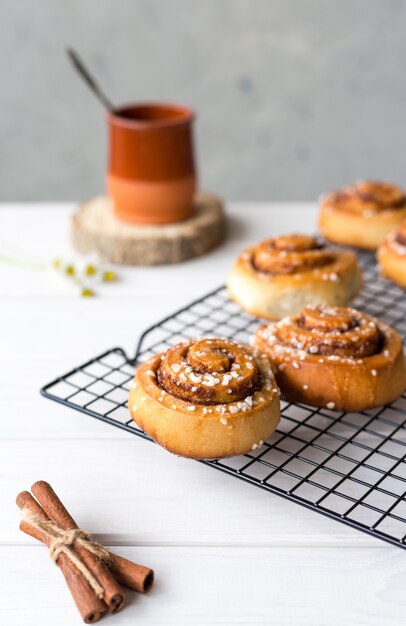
[151, 171]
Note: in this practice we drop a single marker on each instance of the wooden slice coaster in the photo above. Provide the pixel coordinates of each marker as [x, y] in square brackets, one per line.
[95, 228]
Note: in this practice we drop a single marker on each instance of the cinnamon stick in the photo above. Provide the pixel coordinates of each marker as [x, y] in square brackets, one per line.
[131, 574]
[90, 607]
[126, 572]
[53, 507]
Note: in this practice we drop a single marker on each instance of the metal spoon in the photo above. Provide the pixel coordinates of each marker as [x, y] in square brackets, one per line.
[88, 79]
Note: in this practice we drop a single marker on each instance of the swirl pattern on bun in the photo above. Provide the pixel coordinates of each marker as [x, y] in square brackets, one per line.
[362, 214]
[206, 398]
[335, 357]
[281, 275]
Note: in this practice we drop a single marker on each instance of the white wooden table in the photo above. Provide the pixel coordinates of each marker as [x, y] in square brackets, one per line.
[224, 551]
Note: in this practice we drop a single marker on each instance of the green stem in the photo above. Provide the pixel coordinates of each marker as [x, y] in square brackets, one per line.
[22, 263]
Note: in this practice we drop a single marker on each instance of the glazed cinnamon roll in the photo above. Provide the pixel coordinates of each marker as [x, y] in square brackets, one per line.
[280, 276]
[391, 256]
[362, 214]
[206, 398]
[335, 357]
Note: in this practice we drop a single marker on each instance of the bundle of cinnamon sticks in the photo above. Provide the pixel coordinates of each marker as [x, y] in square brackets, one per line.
[92, 573]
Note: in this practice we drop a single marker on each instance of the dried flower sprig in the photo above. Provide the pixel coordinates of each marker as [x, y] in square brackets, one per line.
[82, 276]
[85, 277]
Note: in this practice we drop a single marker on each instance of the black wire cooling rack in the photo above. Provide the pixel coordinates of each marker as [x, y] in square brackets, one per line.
[348, 466]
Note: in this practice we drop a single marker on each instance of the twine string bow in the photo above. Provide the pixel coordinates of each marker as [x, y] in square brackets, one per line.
[65, 541]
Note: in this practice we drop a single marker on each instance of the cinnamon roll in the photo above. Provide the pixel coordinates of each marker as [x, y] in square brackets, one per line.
[206, 398]
[335, 357]
[362, 214]
[391, 256]
[280, 276]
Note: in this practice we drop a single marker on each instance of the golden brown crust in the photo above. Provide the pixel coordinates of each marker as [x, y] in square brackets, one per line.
[337, 358]
[362, 214]
[391, 256]
[206, 399]
[282, 275]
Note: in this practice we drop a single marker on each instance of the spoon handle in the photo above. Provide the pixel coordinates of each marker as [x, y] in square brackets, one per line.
[88, 78]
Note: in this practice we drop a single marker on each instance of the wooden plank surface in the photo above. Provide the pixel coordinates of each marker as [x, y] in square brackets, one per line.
[221, 585]
[225, 552]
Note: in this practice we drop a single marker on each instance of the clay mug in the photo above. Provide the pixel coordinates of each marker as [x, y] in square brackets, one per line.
[151, 174]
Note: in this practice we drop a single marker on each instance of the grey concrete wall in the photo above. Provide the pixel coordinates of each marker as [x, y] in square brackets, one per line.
[293, 96]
